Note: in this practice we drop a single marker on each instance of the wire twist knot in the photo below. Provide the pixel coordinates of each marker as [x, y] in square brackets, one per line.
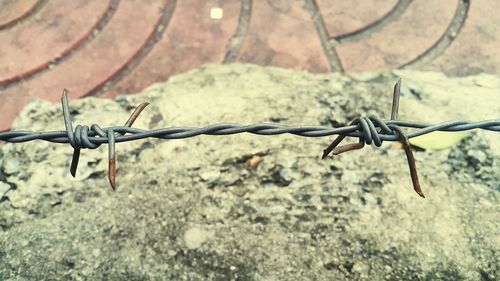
[79, 138]
[367, 126]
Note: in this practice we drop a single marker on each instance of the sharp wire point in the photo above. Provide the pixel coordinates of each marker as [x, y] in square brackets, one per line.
[135, 114]
[395, 100]
[112, 173]
[411, 160]
[111, 144]
[74, 161]
[112, 159]
[332, 146]
[369, 130]
[348, 147]
[69, 131]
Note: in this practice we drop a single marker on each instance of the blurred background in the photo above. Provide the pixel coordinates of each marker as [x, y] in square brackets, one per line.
[119, 47]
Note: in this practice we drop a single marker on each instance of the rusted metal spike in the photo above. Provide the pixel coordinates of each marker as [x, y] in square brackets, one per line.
[112, 160]
[404, 140]
[111, 144]
[135, 114]
[411, 160]
[395, 100]
[112, 173]
[348, 147]
[332, 146]
[338, 140]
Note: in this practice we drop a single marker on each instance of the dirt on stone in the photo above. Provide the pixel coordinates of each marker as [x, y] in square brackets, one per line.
[252, 207]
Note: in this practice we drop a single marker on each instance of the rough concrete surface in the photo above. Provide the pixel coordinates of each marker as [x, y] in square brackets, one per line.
[249, 207]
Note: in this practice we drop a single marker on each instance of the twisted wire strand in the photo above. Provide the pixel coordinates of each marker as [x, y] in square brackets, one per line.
[369, 130]
[88, 136]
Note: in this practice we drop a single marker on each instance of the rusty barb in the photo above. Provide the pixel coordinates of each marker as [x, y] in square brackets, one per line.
[368, 130]
[79, 138]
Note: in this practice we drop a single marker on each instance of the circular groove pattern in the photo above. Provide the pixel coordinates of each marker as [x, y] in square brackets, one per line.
[101, 59]
[160, 27]
[374, 26]
[234, 46]
[28, 13]
[85, 39]
[427, 56]
[445, 40]
[319, 24]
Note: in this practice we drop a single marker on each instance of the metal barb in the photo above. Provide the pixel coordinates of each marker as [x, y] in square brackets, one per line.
[111, 144]
[404, 140]
[69, 131]
[395, 100]
[134, 115]
[411, 160]
[367, 127]
[332, 146]
[348, 147]
[76, 139]
[112, 160]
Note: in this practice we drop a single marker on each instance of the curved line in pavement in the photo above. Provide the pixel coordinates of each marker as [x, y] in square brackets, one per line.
[33, 10]
[319, 24]
[234, 46]
[89, 36]
[445, 40]
[356, 35]
[153, 38]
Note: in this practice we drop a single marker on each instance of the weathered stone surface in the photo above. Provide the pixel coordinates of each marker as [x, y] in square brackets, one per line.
[192, 209]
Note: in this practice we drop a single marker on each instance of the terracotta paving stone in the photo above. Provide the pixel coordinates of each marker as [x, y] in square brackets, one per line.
[477, 47]
[54, 31]
[342, 17]
[281, 33]
[91, 65]
[10, 11]
[141, 44]
[400, 41]
[191, 39]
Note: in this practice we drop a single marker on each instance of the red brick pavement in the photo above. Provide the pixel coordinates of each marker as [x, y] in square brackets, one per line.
[341, 17]
[401, 41]
[284, 35]
[52, 33]
[476, 48]
[107, 48]
[181, 48]
[13, 12]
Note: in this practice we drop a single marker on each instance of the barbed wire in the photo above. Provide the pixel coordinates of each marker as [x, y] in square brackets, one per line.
[369, 130]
